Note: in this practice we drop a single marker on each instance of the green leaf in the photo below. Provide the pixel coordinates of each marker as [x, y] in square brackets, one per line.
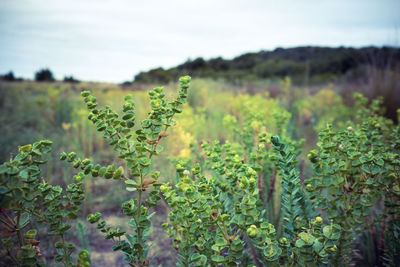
[332, 231]
[131, 189]
[217, 258]
[24, 219]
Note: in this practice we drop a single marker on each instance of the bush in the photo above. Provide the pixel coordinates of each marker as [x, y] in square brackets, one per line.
[8, 77]
[220, 208]
[70, 79]
[44, 75]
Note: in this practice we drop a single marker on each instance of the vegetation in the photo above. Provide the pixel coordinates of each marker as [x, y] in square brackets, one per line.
[249, 198]
[70, 79]
[9, 77]
[304, 64]
[44, 75]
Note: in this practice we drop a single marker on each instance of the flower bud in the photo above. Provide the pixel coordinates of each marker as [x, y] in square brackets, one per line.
[85, 93]
[252, 231]
[332, 249]
[185, 79]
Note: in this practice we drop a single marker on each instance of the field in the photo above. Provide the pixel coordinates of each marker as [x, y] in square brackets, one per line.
[215, 110]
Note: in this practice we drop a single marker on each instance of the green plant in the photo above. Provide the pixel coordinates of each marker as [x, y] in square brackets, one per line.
[136, 147]
[220, 220]
[27, 199]
[354, 170]
[241, 200]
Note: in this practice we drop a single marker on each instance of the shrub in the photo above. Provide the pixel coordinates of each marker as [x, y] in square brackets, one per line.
[44, 75]
[27, 199]
[70, 79]
[240, 203]
[8, 77]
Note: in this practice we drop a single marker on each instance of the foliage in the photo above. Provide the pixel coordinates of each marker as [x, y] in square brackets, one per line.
[358, 167]
[27, 198]
[70, 79]
[240, 200]
[44, 75]
[302, 63]
[220, 220]
[8, 77]
[137, 148]
[325, 107]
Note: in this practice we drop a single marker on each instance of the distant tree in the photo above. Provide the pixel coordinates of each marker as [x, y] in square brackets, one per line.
[44, 75]
[126, 83]
[8, 77]
[319, 64]
[196, 64]
[158, 75]
[219, 64]
[71, 79]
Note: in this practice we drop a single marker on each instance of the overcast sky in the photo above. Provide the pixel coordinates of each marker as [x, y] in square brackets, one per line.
[112, 40]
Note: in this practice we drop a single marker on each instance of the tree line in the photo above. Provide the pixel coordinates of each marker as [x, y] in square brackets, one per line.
[318, 64]
[42, 75]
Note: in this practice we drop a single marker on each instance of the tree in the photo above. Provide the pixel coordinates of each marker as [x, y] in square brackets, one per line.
[70, 79]
[8, 76]
[44, 75]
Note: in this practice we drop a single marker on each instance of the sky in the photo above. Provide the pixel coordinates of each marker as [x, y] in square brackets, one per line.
[113, 40]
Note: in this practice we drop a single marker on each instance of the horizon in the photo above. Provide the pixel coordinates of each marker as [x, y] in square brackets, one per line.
[112, 42]
[59, 78]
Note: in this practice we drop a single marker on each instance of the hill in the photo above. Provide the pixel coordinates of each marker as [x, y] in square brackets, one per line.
[304, 64]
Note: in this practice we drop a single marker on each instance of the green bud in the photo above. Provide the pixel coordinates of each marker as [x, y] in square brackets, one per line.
[63, 156]
[71, 156]
[318, 220]
[185, 79]
[225, 217]
[309, 187]
[179, 168]
[76, 163]
[118, 173]
[25, 148]
[30, 234]
[77, 178]
[86, 161]
[332, 249]
[252, 181]
[85, 93]
[252, 231]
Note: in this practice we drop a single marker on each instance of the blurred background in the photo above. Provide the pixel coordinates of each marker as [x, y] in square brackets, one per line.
[293, 61]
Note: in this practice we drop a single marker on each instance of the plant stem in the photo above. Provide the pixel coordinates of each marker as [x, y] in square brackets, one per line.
[223, 232]
[139, 229]
[20, 240]
[6, 215]
[11, 227]
[66, 260]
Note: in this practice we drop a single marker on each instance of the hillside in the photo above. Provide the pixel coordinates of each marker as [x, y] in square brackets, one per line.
[304, 64]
